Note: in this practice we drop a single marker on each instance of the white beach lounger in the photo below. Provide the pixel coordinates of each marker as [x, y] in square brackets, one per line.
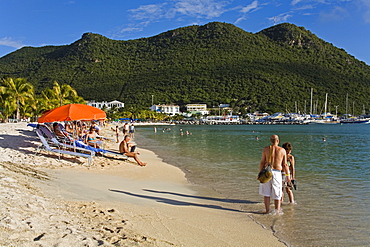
[46, 131]
[45, 146]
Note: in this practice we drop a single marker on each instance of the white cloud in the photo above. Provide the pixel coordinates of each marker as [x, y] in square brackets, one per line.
[366, 15]
[151, 11]
[131, 29]
[8, 41]
[305, 7]
[246, 10]
[121, 32]
[201, 9]
[250, 7]
[170, 9]
[336, 13]
[294, 2]
[281, 18]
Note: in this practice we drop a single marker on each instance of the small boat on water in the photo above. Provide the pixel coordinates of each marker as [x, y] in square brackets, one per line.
[323, 121]
[354, 120]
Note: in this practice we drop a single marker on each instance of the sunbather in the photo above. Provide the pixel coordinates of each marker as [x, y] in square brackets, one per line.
[126, 148]
[61, 133]
[91, 138]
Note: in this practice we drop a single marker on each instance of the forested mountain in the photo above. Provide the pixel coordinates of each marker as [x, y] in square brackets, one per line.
[272, 70]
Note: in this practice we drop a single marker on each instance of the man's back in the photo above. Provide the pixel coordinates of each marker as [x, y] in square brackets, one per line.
[278, 160]
[278, 154]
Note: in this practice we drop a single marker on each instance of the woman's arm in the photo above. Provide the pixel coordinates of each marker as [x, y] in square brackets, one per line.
[292, 167]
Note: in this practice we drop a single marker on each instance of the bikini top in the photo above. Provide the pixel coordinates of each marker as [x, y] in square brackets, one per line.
[288, 160]
[90, 138]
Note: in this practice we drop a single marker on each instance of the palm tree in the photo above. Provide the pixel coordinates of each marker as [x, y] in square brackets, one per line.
[6, 107]
[65, 94]
[47, 101]
[17, 92]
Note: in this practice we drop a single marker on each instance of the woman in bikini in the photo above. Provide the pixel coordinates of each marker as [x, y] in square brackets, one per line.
[91, 138]
[291, 162]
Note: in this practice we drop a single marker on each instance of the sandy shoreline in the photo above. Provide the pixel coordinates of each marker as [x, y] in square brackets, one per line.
[112, 203]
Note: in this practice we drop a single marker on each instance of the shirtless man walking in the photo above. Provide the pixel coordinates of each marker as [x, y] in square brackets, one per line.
[273, 188]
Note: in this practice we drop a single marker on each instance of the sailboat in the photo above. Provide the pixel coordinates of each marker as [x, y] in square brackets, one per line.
[327, 118]
[353, 120]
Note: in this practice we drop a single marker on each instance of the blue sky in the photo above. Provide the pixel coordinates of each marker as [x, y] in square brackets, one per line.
[344, 23]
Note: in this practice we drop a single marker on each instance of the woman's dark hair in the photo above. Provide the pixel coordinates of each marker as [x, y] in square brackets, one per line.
[287, 146]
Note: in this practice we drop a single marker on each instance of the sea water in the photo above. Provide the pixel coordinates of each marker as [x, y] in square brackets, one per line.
[332, 171]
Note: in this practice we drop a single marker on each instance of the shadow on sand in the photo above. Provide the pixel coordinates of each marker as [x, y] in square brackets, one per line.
[184, 203]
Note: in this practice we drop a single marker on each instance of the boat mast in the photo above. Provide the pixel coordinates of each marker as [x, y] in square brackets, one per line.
[326, 104]
[311, 101]
[347, 106]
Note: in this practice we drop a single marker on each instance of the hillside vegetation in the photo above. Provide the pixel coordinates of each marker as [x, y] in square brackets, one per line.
[273, 70]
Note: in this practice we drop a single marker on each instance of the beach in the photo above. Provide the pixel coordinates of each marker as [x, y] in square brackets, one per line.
[48, 201]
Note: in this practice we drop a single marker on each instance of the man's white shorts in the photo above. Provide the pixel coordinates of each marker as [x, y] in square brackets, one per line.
[272, 188]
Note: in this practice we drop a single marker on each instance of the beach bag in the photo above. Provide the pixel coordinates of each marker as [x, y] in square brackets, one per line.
[266, 174]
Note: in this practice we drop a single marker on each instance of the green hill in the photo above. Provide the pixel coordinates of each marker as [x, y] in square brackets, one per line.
[215, 63]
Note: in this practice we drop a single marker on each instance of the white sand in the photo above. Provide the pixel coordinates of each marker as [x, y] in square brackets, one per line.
[50, 202]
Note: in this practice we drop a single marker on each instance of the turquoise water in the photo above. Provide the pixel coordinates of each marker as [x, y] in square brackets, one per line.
[333, 176]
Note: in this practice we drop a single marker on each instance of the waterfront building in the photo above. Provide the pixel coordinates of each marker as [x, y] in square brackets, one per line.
[167, 109]
[202, 108]
[105, 104]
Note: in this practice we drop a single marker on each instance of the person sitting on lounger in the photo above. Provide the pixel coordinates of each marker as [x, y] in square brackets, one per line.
[91, 138]
[61, 133]
[127, 149]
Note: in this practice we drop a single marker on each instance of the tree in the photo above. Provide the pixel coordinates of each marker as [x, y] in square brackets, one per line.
[45, 102]
[6, 107]
[15, 93]
[65, 94]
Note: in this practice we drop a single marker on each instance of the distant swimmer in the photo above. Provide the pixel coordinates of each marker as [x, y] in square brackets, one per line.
[324, 139]
[257, 138]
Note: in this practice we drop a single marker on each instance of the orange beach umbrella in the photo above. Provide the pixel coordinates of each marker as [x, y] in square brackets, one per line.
[72, 112]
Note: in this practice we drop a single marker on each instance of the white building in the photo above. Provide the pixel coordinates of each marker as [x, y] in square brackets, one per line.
[107, 105]
[167, 109]
[202, 108]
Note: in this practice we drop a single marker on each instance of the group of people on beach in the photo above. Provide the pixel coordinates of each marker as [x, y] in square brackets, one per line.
[128, 129]
[89, 133]
[283, 173]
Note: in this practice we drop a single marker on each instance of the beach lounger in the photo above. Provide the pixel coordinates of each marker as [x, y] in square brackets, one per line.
[45, 146]
[117, 154]
[77, 145]
[32, 125]
[77, 148]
